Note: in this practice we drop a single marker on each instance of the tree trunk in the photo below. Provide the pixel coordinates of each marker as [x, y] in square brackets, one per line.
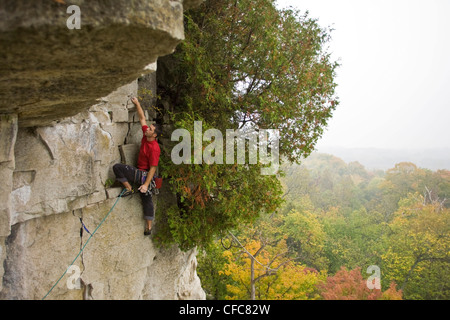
[252, 279]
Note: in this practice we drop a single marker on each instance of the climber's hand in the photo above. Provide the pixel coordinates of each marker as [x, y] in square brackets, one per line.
[143, 188]
[135, 100]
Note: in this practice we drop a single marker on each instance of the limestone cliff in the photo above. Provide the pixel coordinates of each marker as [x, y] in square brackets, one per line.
[61, 131]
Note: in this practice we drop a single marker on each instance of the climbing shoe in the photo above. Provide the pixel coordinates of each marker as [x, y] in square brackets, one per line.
[127, 193]
[147, 232]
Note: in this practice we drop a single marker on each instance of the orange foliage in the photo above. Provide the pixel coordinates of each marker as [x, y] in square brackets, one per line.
[350, 285]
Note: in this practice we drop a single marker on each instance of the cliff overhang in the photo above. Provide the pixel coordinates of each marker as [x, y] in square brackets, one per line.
[49, 71]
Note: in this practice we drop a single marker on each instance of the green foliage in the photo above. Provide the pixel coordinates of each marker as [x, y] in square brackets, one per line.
[418, 249]
[109, 183]
[386, 220]
[395, 219]
[211, 263]
[246, 65]
[305, 236]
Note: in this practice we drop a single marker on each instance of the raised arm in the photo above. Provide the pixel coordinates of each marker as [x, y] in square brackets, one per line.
[140, 111]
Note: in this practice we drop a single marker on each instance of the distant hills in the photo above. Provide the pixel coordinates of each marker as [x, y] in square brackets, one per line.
[372, 158]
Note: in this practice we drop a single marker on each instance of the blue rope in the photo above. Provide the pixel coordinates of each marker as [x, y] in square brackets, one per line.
[79, 253]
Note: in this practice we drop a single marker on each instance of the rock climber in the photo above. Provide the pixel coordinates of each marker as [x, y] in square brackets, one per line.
[146, 167]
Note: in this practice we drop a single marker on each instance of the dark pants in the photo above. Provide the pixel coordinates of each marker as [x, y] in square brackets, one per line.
[132, 175]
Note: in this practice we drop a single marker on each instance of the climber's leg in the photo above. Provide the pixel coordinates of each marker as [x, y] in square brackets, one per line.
[125, 173]
[149, 214]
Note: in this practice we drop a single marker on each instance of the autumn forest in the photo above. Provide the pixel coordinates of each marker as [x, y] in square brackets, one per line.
[323, 229]
[338, 225]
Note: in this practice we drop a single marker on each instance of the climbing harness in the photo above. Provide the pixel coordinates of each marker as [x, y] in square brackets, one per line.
[141, 175]
[79, 253]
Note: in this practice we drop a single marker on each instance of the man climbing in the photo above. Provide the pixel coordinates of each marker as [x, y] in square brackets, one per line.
[146, 167]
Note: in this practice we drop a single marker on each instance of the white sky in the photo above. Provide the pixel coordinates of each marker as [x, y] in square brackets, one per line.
[394, 79]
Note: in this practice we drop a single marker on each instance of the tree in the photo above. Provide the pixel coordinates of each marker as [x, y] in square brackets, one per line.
[305, 236]
[417, 257]
[252, 265]
[211, 263]
[350, 285]
[352, 239]
[244, 65]
[262, 265]
[265, 271]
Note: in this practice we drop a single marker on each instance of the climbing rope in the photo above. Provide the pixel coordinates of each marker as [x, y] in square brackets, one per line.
[79, 253]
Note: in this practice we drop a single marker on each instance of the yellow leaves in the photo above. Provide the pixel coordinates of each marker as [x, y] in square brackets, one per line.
[396, 265]
[420, 236]
[227, 254]
[422, 228]
[296, 282]
[277, 276]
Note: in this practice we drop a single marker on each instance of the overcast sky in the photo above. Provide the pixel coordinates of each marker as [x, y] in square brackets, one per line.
[394, 79]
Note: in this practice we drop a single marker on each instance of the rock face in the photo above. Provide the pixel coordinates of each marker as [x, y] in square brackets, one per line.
[61, 131]
[48, 71]
[57, 184]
